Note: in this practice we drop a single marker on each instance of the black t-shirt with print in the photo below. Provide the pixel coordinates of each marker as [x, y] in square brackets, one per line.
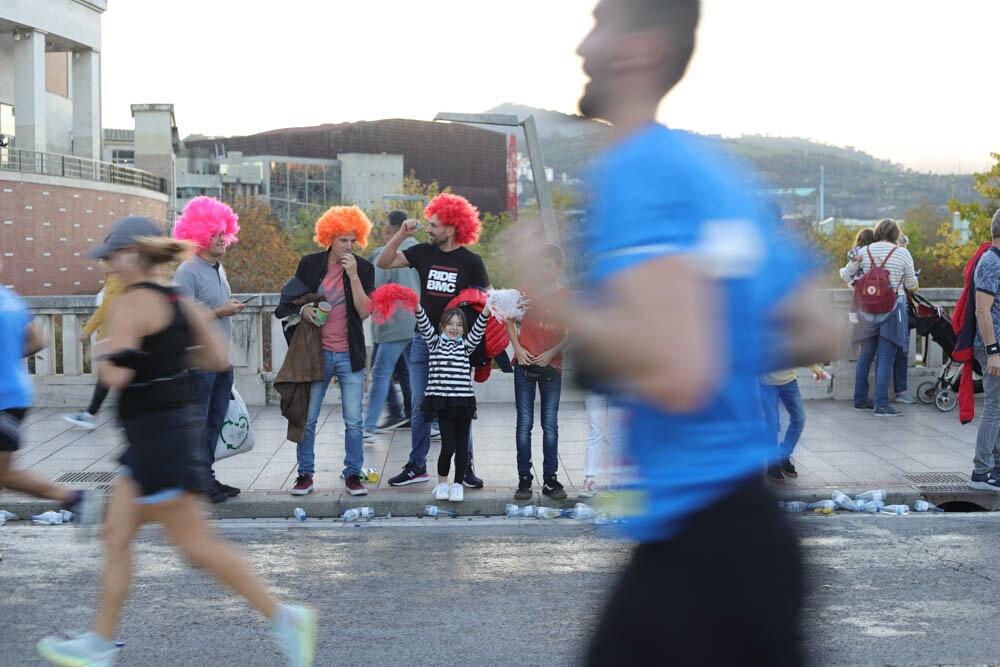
[444, 274]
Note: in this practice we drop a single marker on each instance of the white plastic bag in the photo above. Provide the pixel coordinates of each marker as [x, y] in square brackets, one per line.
[235, 436]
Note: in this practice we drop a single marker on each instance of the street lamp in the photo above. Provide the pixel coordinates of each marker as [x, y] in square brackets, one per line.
[534, 157]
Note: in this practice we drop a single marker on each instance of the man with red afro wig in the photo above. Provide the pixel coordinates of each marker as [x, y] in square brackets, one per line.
[342, 282]
[212, 226]
[446, 267]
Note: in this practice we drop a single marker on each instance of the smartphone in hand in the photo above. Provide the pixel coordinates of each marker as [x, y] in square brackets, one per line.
[250, 298]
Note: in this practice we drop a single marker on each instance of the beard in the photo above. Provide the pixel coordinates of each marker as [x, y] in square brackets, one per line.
[591, 102]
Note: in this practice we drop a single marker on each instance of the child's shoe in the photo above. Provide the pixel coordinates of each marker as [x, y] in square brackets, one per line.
[589, 488]
[456, 493]
[441, 491]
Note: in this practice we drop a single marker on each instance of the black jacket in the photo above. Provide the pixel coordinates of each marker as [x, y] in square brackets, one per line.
[311, 271]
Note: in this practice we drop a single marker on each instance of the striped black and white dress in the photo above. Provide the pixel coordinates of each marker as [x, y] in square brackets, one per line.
[449, 375]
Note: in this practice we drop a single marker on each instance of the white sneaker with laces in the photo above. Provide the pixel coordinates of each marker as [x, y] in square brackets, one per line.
[456, 493]
[294, 630]
[82, 419]
[368, 436]
[441, 491]
[589, 488]
[88, 648]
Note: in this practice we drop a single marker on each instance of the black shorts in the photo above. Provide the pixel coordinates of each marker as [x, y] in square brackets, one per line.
[726, 590]
[164, 451]
[10, 428]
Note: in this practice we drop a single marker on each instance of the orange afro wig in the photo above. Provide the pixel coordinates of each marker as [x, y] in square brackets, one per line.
[455, 211]
[341, 221]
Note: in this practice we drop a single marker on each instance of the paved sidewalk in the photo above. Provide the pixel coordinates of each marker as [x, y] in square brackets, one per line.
[840, 449]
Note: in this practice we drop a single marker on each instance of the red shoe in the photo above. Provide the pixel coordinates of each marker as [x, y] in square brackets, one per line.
[303, 485]
[354, 486]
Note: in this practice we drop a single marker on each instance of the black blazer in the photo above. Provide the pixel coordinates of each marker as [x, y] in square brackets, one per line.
[311, 271]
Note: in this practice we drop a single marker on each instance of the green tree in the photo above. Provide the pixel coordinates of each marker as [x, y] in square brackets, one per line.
[263, 258]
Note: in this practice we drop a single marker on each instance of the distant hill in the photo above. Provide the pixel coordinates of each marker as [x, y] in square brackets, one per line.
[858, 185]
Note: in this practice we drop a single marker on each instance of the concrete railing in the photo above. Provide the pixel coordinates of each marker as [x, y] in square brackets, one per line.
[259, 348]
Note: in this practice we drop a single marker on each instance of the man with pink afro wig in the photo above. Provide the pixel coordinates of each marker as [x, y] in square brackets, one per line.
[446, 267]
[203, 219]
[213, 226]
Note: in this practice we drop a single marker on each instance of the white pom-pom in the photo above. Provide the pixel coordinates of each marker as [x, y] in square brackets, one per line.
[507, 303]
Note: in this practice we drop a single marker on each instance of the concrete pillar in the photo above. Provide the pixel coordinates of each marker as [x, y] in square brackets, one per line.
[29, 90]
[87, 104]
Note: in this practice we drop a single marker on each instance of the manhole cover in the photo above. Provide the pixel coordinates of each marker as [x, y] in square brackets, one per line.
[940, 482]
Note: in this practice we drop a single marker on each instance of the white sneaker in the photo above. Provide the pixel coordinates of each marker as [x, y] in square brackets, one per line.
[435, 433]
[88, 648]
[456, 493]
[589, 488]
[369, 436]
[441, 491]
[82, 419]
[294, 630]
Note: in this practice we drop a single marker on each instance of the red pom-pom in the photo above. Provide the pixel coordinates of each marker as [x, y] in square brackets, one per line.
[387, 300]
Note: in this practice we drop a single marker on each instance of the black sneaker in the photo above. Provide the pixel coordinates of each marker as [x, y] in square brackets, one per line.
[774, 473]
[393, 422]
[411, 475]
[471, 481]
[524, 491]
[984, 481]
[553, 489]
[217, 496]
[788, 469]
[864, 407]
[230, 491]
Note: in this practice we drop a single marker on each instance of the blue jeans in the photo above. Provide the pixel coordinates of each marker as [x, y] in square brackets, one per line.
[789, 396]
[899, 368]
[384, 361]
[524, 398]
[420, 430]
[352, 389]
[212, 392]
[987, 454]
[886, 351]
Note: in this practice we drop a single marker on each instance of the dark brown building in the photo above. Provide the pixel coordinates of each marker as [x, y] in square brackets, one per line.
[471, 160]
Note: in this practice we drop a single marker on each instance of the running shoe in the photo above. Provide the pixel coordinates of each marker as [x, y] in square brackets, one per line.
[435, 433]
[553, 489]
[441, 491]
[985, 481]
[888, 412]
[303, 485]
[368, 436]
[456, 493]
[82, 419]
[905, 397]
[88, 649]
[524, 491]
[470, 480]
[230, 491]
[788, 469]
[390, 423]
[589, 488]
[354, 486]
[412, 473]
[294, 630]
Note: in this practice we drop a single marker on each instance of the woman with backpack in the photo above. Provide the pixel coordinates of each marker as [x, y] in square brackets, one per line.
[883, 325]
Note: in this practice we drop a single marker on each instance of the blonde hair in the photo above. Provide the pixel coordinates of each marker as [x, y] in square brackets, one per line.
[156, 250]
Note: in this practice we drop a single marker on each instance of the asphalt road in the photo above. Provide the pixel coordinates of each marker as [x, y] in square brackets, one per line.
[915, 590]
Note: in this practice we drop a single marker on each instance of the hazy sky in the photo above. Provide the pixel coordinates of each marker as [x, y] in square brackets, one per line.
[908, 80]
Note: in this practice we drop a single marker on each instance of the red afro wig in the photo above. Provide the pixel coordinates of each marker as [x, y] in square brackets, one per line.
[341, 221]
[389, 299]
[203, 218]
[455, 211]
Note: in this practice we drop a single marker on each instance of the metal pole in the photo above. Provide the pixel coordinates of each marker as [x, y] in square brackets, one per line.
[542, 191]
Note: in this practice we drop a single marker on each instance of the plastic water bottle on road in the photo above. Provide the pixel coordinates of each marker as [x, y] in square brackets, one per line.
[895, 509]
[871, 506]
[47, 518]
[434, 510]
[924, 506]
[513, 511]
[300, 514]
[878, 494]
[581, 511]
[822, 505]
[844, 501]
[8, 516]
[547, 512]
[357, 513]
[792, 506]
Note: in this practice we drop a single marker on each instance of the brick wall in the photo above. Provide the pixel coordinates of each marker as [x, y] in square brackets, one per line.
[46, 230]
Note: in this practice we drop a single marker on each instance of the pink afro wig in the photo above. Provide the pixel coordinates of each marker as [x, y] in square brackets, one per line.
[455, 211]
[341, 221]
[389, 299]
[203, 218]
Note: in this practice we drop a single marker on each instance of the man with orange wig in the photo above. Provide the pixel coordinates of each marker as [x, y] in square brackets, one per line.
[446, 267]
[213, 227]
[343, 282]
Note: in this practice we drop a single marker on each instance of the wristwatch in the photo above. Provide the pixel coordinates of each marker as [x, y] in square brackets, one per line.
[992, 349]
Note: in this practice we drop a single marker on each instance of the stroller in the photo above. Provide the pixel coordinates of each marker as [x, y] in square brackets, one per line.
[930, 320]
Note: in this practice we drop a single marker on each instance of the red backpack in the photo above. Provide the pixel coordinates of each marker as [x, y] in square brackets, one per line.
[873, 291]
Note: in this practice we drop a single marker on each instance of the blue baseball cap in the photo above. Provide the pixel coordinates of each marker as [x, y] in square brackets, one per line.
[123, 234]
